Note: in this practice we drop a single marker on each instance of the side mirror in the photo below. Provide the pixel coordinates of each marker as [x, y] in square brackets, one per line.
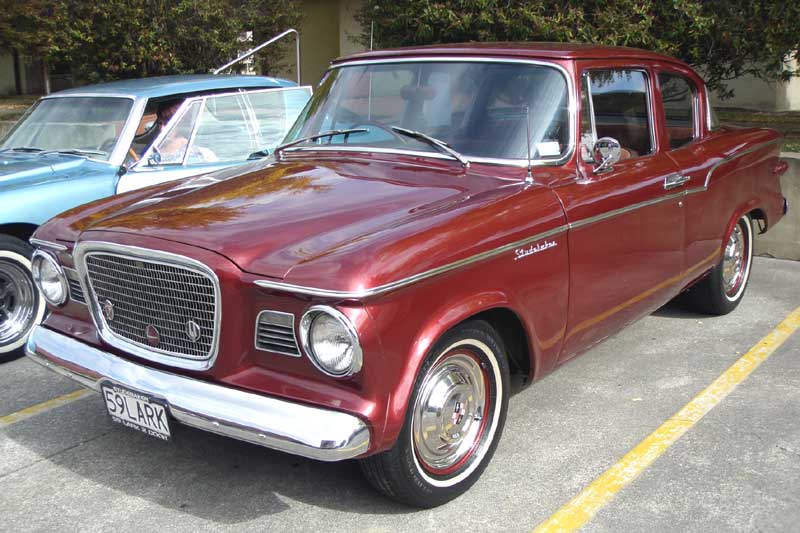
[605, 152]
[155, 158]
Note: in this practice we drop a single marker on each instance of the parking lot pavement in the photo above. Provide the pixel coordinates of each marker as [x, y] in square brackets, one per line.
[738, 468]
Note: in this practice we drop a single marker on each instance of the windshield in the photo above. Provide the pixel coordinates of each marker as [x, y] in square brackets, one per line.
[477, 108]
[83, 123]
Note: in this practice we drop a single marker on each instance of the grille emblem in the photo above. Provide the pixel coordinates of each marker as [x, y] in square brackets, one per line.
[152, 335]
[192, 330]
[108, 310]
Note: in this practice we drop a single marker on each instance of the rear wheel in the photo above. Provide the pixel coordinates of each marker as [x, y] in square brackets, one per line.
[722, 290]
[453, 423]
[21, 305]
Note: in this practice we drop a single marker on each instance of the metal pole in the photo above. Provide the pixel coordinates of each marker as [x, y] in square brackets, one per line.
[264, 44]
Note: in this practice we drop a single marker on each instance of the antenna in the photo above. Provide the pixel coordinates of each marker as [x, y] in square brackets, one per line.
[529, 175]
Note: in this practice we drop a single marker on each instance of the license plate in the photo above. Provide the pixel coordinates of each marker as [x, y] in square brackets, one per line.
[137, 411]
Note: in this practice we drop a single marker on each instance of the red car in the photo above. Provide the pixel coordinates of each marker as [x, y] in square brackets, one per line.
[442, 224]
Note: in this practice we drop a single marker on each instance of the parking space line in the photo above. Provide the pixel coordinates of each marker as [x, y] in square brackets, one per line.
[578, 511]
[43, 407]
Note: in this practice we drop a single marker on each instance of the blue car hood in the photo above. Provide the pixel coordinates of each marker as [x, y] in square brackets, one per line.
[23, 169]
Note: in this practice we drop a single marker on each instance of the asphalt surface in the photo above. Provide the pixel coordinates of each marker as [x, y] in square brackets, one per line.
[737, 469]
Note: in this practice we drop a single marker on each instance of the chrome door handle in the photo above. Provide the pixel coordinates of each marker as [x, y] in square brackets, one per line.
[675, 180]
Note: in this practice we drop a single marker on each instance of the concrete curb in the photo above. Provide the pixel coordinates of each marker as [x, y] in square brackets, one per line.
[783, 240]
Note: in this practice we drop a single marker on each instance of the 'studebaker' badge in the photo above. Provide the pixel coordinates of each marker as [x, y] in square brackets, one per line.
[522, 253]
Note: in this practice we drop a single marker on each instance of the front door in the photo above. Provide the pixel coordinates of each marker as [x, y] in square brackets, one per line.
[626, 229]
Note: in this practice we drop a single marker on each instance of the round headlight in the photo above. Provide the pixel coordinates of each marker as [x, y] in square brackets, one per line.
[49, 277]
[330, 341]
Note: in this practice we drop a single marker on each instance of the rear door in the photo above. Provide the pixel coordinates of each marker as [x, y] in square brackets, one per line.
[705, 220]
[626, 229]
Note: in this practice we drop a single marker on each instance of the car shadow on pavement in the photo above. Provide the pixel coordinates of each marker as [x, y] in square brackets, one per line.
[201, 474]
[678, 308]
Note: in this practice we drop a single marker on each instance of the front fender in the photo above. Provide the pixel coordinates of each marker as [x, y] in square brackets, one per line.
[35, 204]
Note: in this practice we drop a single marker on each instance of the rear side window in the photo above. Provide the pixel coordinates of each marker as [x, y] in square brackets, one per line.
[618, 108]
[678, 96]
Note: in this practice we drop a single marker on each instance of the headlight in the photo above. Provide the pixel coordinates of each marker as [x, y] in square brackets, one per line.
[49, 277]
[330, 341]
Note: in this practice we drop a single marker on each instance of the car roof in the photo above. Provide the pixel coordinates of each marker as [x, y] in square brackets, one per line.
[159, 86]
[531, 50]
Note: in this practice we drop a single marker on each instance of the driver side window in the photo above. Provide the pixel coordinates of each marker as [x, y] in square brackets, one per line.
[615, 103]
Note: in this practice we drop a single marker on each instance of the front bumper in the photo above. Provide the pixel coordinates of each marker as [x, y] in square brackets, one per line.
[312, 432]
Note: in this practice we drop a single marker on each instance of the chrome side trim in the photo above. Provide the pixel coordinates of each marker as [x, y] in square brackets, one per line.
[313, 432]
[375, 291]
[381, 289]
[622, 210]
[109, 336]
[47, 244]
[736, 155]
[571, 104]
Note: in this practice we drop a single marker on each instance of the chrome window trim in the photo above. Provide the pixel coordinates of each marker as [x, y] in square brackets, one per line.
[243, 94]
[47, 244]
[696, 133]
[294, 334]
[83, 249]
[651, 110]
[571, 106]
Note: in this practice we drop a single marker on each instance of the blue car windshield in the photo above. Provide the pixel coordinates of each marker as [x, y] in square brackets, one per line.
[480, 109]
[80, 124]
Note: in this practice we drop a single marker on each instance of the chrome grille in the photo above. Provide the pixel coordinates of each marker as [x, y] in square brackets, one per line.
[166, 308]
[275, 333]
[75, 288]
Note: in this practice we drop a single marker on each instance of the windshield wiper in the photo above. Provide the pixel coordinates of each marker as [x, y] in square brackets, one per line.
[75, 151]
[23, 149]
[436, 143]
[323, 135]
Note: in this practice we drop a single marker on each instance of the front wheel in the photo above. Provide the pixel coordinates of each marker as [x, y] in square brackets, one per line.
[454, 420]
[721, 291]
[21, 305]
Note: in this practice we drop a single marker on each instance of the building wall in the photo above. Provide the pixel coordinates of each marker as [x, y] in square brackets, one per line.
[326, 33]
[753, 93]
[7, 84]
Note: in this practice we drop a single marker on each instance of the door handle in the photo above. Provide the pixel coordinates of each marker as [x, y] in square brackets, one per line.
[675, 180]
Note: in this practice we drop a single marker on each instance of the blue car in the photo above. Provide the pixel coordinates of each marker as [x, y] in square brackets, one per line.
[87, 143]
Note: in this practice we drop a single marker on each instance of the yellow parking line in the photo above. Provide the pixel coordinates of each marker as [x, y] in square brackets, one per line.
[578, 511]
[42, 407]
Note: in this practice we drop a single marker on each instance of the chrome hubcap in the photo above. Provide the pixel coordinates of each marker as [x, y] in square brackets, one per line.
[449, 414]
[17, 301]
[733, 263]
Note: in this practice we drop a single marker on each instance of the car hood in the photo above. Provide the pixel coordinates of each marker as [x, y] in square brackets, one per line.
[284, 214]
[21, 169]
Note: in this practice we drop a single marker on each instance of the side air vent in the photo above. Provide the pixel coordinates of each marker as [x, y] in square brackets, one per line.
[275, 333]
[75, 288]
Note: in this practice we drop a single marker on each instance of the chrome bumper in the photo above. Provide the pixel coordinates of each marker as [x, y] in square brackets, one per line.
[282, 425]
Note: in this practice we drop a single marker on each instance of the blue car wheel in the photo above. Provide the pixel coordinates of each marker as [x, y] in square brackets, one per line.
[21, 305]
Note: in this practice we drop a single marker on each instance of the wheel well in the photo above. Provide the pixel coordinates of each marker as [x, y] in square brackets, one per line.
[20, 230]
[510, 328]
[758, 214]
